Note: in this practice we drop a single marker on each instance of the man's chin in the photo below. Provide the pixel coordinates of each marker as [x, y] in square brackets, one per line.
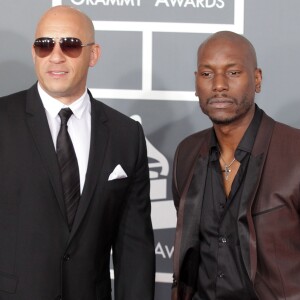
[222, 120]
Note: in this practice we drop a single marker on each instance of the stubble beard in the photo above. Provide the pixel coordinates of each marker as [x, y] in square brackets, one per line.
[242, 109]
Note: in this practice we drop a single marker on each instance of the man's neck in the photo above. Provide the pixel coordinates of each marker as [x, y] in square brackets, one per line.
[230, 135]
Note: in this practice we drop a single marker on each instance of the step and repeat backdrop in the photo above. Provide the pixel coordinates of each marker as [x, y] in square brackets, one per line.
[146, 71]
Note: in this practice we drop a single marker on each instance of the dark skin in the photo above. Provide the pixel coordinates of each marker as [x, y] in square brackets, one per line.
[226, 80]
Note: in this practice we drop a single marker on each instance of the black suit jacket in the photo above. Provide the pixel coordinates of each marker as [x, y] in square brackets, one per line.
[269, 213]
[39, 258]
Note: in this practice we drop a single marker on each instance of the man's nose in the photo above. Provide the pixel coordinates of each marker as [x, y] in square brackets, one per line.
[57, 54]
[220, 82]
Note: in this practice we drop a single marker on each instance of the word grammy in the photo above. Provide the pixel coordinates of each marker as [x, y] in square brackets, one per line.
[166, 3]
[108, 2]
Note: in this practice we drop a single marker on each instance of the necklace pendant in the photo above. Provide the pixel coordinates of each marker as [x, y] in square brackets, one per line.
[227, 171]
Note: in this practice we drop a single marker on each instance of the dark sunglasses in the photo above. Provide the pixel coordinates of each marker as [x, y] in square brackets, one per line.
[70, 46]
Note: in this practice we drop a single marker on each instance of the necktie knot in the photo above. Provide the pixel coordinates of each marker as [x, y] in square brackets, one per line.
[65, 114]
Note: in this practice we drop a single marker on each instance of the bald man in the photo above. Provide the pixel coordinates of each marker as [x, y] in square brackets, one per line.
[236, 187]
[70, 191]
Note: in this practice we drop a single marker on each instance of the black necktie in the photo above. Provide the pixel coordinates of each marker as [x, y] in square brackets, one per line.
[68, 166]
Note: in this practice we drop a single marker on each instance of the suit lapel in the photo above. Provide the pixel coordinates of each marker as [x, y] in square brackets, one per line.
[188, 220]
[254, 171]
[99, 139]
[38, 125]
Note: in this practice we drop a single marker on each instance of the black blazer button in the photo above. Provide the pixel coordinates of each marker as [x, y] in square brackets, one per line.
[66, 257]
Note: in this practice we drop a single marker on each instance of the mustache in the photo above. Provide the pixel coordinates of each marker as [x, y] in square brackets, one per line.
[220, 99]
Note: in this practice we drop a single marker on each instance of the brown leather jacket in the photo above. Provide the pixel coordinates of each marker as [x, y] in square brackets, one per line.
[268, 222]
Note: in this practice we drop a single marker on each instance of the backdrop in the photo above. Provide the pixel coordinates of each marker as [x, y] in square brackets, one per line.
[146, 71]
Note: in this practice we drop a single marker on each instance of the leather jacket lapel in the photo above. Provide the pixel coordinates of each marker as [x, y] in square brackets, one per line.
[246, 228]
[187, 231]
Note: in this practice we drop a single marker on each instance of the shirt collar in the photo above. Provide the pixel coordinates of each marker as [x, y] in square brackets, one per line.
[247, 141]
[214, 149]
[53, 106]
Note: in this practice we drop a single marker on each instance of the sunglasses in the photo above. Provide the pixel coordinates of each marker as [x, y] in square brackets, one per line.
[70, 46]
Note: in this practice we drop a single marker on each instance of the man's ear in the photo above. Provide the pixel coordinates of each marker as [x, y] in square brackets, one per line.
[95, 55]
[196, 93]
[33, 54]
[258, 80]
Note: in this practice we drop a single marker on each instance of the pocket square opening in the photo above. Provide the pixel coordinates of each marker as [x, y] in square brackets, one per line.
[117, 173]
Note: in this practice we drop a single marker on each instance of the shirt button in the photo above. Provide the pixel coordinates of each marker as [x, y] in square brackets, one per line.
[222, 240]
[221, 275]
[66, 257]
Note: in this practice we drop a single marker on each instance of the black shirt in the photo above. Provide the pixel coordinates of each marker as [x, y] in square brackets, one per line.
[222, 274]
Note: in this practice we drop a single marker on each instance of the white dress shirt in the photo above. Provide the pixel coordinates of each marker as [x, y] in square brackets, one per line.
[79, 126]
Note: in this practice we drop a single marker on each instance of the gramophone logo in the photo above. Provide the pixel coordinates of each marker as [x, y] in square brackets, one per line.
[163, 211]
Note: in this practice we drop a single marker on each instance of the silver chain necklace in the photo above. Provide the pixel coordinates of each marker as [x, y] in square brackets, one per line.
[227, 169]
